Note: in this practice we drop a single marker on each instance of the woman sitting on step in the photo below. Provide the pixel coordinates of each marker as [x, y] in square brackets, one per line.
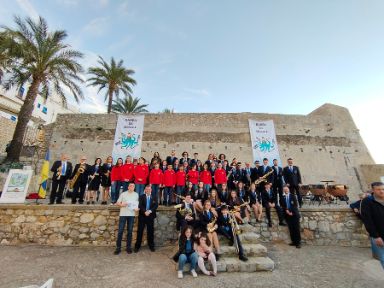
[204, 250]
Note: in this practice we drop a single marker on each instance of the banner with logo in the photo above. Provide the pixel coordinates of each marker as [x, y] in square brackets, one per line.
[16, 187]
[263, 139]
[128, 137]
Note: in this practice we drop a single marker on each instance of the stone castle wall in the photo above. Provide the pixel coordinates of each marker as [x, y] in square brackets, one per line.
[325, 144]
[97, 226]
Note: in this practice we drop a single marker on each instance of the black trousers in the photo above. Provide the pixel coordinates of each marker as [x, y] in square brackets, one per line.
[293, 223]
[149, 222]
[78, 192]
[58, 195]
[294, 189]
[277, 189]
[229, 235]
[279, 212]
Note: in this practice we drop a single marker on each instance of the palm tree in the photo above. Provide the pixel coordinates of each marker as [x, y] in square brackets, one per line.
[128, 105]
[167, 111]
[114, 77]
[41, 59]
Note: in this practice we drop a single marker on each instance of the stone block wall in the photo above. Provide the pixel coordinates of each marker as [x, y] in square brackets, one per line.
[7, 127]
[325, 143]
[83, 225]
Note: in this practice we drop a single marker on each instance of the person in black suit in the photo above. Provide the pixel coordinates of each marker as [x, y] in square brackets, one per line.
[236, 176]
[81, 182]
[185, 158]
[225, 229]
[147, 215]
[62, 170]
[277, 184]
[292, 178]
[194, 160]
[269, 201]
[292, 216]
[255, 172]
[171, 159]
[185, 214]
[264, 169]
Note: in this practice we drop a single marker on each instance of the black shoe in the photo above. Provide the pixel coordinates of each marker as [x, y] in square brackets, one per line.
[217, 257]
[292, 244]
[152, 249]
[298, 246]
[129, 250]
[81, 202]
[59, 202]
[104, 203]
[93, 202]
[88, 202]
[117, 252]
[243, 258]
[282, 224]
[51, 203]
[135, 250]
[73, 203]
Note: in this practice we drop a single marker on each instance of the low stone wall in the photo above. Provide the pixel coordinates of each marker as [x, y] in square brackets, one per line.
[97, 225]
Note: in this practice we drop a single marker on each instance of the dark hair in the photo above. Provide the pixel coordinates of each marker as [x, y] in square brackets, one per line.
[101, 161]
[183, 239]
[265, 159]
[376, 184]
[203, 234]
[274, 160]
[289, 158]
[117, 161]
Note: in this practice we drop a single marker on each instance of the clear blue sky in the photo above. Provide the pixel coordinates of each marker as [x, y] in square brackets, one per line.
[233, 56]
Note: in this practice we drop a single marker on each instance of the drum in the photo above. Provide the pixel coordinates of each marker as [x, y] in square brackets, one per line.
[338, 190]
[317, 189]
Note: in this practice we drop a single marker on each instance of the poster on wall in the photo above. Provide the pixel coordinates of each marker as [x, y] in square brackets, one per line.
[16, 187]
[263, 139]
[128, 137]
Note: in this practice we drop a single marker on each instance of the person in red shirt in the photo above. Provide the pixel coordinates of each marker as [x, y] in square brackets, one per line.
[141, 173]
[193, 176]
[116, 180]
[156, 179]
[127, 172]
[220, 176]
[180, 182]
[206, 178]
[169, 182]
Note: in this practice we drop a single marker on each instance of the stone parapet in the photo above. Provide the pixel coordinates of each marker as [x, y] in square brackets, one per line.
[63, 225]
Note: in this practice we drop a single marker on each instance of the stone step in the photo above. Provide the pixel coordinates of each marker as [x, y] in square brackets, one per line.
[254, 264]
[250, 250]
[249, 237]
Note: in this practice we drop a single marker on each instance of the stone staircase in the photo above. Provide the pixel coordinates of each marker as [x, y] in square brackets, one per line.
[255, 252]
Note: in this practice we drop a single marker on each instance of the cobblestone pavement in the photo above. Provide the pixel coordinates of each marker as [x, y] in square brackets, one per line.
[311, 266]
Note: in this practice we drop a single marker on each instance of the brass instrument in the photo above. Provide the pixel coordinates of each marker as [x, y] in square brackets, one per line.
[235, 229]
[179, 196]
[212, 226]
[237, 208]
[263, 178]
[183, 212]
[81, 170]
[58, 172]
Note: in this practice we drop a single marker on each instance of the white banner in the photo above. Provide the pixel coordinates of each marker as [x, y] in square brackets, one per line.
[128, 137]
[16, 187]
[263, 139]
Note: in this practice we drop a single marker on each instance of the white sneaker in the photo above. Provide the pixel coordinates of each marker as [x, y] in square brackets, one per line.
[180, 274]
[194, 274]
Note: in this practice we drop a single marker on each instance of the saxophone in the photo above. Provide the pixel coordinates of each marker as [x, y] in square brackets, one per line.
[263, 178]
[212, 226]
[74, 179]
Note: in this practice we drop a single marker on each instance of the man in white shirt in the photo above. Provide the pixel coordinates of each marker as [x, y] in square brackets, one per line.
[128, 202]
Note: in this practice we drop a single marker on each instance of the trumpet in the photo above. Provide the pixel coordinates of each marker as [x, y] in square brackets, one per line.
[263, 178]
[58, 173]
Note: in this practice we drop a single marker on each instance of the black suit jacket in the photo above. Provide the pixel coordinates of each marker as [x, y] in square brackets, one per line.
[83, 177]
[292, 178]
[253, 197]
[254, 174]
[68, 171]
[266, 198]
[204, 219]
[143, 206]
[182, 160]
[222, 221]
[293, 205]
[170, 160]
[277, 175]
[262, 173]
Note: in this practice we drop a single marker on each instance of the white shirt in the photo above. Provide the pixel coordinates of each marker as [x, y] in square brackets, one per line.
[132, 198]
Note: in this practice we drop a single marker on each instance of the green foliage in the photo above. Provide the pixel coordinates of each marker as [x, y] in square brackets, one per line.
[128, 105]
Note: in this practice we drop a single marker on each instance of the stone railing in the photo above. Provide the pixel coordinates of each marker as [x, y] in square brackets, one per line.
[97, 225]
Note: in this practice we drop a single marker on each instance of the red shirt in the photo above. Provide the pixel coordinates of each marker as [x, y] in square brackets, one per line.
[116, 174]
[180, 178]
[206, 177]
[169, 179]
[156, 176]
[193, 176]
[127, 172]
[141, 174]
[220, 176]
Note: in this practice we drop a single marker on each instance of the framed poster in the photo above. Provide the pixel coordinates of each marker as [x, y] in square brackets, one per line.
[16, 187]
